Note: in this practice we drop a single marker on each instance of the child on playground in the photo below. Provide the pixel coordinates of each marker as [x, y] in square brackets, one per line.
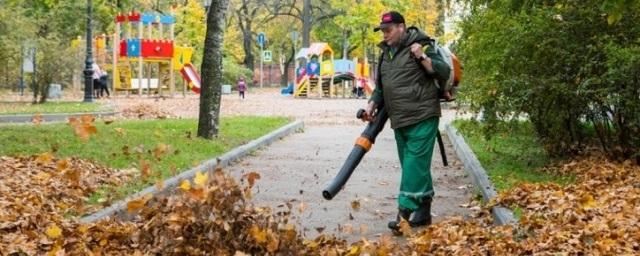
[242, 87]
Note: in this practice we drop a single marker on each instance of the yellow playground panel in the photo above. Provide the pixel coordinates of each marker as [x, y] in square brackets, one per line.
[125, 81]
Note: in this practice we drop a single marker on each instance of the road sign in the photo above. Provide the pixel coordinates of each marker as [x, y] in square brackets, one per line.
[266, 56]
[261, 39]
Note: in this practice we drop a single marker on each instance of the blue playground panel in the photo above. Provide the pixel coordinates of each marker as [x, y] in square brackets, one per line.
[133, 47]
[344, 67]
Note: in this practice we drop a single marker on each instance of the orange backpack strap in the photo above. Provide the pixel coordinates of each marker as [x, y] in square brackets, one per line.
[457, 70]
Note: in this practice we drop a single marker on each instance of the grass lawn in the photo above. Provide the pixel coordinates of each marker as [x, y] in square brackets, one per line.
[49, 107]
[165, 145]
[512, 155]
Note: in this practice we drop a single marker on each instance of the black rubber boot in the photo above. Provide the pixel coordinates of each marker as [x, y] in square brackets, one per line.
[402, 214]
[422, 216]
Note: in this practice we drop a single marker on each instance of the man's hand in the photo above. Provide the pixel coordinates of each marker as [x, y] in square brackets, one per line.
[416, 50]
[369, 111]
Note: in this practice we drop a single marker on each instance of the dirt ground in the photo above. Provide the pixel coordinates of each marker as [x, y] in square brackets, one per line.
[297, 168]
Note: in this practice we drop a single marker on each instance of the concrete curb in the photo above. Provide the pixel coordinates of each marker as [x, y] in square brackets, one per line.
[501, 215]
[119, 209]
[26, 118]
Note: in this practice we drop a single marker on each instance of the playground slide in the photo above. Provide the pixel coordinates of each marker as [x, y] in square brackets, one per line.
[190, 74]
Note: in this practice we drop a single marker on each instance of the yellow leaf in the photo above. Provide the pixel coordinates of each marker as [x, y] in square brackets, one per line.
[44, 158]
[587, 201]
[185, 185]
[62, 165]
[120, 131]
[258, 234]
[53, 231]
[200, 178]
[355, 250]
[247, 193]
[56, 251]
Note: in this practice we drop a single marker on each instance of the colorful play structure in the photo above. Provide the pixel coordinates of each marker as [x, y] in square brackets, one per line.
[324, 77]
[148, 61]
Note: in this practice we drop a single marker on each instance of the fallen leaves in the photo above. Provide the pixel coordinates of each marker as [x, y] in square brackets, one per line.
[200, 179]
[597, 214]
[212, 215]
[53, 231]
[145, 111]
[38, 194]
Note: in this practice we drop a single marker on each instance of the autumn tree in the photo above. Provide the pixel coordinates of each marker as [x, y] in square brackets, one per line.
[210, 93]
[246, 14]
[308, 13]
[190, 28]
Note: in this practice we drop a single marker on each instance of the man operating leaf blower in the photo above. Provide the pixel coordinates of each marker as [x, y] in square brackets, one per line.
[407, 92]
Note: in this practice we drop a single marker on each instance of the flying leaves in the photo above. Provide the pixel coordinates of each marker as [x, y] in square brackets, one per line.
[84, 126]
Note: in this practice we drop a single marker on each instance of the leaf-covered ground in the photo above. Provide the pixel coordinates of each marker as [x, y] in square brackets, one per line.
[213, 215]
[37, 192]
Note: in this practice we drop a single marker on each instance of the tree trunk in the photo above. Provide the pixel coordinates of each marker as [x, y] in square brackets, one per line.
[306, 23]
[247, 45]
[285, 76]
[44, 92]
[345, 44]
[208, 120]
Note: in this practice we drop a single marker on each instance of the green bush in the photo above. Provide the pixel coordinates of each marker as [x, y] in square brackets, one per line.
[568, 66]
[231, 71]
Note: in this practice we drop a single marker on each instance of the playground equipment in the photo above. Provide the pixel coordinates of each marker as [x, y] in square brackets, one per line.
[325, 77]
[151, 50]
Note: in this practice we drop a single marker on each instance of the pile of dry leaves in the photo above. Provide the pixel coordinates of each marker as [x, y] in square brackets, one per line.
[37, 191]
[145, 111]
[213, 215]
[598, 214]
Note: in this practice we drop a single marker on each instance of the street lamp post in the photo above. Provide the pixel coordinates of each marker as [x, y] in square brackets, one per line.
[88, 67]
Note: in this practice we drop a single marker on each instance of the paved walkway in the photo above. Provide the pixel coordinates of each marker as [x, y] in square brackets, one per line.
[297, 169]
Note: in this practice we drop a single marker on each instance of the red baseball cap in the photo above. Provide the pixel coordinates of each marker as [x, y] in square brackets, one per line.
[388, 19]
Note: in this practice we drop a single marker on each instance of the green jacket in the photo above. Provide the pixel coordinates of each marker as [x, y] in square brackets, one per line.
[410, 95]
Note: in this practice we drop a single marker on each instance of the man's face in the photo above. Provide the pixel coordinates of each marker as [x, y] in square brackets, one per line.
[393, 34]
